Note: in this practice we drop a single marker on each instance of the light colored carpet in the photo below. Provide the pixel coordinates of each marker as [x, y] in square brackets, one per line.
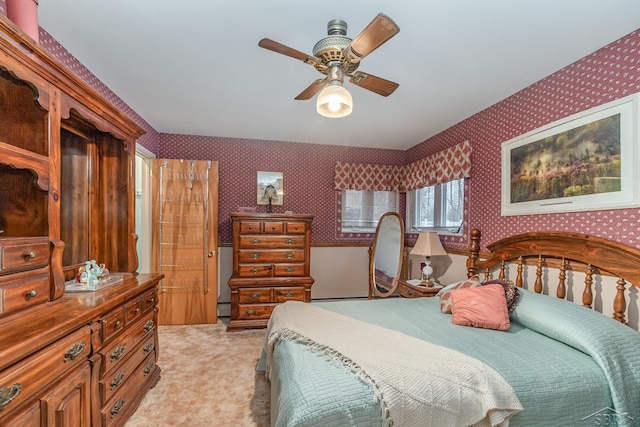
[208, 379]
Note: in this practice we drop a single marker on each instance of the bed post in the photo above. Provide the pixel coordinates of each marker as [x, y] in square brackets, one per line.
[474, 252]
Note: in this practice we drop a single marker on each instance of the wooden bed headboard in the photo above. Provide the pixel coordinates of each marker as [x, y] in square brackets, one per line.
[564, 251]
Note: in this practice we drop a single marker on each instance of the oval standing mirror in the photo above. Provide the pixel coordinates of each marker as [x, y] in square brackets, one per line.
[387, 253]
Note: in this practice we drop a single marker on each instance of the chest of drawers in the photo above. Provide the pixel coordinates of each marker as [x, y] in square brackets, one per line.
[271, 265]
[126, 358]
[86, 359]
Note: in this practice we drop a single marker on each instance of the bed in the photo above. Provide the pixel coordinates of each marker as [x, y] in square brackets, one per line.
[399, 361]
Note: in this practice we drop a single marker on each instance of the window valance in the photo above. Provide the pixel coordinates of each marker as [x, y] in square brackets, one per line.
[362, 176]
[443, 166]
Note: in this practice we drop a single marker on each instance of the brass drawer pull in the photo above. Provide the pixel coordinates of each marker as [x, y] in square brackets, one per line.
[118, 352]
[251, 312]
[117, 380]
[254, 296]
[75, 351]
[255, 241]
[149, 325]
[289, 241]
[8, 394]
[148, 368]
[29, 255]
[287, 294]
[31, 294]
[254, 270]
[254, 256]
[289, 255]
[118, 407]
[289, 269]
[148, 347]
[116, 324]
[137, 310]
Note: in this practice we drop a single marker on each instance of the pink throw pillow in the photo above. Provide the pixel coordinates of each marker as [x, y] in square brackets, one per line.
[480, 307]
[445, 293]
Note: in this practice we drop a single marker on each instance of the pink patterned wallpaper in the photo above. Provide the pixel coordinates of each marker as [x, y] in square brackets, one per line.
[608, 74]
[308, 175]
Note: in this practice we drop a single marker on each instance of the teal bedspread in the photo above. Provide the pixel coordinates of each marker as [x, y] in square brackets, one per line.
[567, 364]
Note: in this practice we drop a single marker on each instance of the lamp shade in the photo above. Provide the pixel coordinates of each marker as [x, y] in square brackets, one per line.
[428, 244]
[334, 101]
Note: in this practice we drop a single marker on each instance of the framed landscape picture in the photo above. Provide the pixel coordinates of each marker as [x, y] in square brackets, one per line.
[588, 161]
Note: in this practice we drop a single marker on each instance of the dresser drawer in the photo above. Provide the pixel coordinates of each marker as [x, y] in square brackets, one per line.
[113, 380]
[288, 294]
[124, 401]
[112, 323]
[124, 345]
[271, 255]
[21, 294]
[285, 270]
[273, 227]
[23, 254]
[271, 242]
[31, 374]
[253, 295]
[296, 227]
[249, 227]
[29, 417]
[254, 270]
[255, 311]
[149, 300]
[132, 310]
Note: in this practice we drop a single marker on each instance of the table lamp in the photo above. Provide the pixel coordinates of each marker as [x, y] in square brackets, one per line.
[428, 245]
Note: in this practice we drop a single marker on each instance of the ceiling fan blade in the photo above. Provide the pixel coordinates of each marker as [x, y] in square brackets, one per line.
[374, 84]
[313, 88]
[381, 29]
[288, 51]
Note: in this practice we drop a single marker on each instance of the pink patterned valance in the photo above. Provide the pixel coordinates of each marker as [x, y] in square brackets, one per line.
[362, 176]
[446, 165]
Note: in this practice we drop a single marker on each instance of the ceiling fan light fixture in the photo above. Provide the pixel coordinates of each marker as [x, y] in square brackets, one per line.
[334, 101]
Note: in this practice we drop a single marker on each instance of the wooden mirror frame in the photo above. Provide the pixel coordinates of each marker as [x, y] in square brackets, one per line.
[380, 234]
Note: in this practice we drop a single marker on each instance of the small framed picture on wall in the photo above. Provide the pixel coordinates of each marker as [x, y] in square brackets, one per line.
[270, 188]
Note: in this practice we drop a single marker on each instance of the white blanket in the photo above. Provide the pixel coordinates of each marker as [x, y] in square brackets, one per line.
[417, 383]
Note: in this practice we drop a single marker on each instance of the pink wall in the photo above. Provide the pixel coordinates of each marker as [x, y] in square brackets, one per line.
[308, 175]
[608, 74]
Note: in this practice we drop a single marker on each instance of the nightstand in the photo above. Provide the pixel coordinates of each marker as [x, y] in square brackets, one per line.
[408, 290]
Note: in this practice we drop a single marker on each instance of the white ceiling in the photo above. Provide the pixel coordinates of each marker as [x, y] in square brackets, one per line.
[194, 66]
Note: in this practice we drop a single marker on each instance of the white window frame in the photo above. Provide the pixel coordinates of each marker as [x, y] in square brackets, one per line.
[369, 216]
[439, 200]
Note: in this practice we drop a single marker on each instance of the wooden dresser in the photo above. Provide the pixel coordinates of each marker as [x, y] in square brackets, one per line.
[85, 359]
[271, 265]
[67, 159]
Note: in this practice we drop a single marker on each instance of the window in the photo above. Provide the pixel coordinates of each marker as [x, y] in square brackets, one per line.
[362, 209]
[439, 208]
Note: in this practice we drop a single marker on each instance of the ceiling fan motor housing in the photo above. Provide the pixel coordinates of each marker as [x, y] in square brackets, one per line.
[330, 49]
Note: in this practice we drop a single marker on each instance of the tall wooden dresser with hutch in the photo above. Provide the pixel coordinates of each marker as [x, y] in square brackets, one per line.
[66, 167]
[271, 265]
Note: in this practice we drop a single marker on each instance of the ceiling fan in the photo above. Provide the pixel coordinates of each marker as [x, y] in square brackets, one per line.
[337, 56]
